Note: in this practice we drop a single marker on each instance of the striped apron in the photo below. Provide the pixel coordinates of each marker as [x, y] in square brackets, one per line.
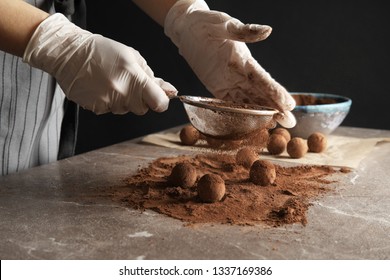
[38, 125]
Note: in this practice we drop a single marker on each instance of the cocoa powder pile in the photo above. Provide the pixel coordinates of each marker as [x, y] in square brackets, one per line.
[285, 201]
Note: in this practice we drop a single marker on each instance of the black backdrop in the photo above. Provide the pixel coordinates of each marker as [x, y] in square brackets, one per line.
[339, 47]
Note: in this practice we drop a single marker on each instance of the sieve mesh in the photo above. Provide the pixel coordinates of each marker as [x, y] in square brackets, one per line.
[227, 120]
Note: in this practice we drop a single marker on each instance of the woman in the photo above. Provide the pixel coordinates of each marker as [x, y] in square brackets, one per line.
[47, 61]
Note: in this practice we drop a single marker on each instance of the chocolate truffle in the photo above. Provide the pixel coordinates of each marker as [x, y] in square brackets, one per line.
[282, 131]
[232, 144]
[189, 135]
[317, 142]
[258, 138]
[246, 156]
[213, 142]
[211, 188]
[297, 147]
[276, 144]
[262, 173]
[183, 175]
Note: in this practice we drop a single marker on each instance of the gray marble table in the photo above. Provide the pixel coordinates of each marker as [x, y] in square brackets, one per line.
[43, 215]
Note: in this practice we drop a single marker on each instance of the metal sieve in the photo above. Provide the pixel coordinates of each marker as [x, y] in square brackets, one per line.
[224, 119]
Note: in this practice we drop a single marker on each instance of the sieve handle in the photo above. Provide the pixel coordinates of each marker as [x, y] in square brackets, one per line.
[172, 94]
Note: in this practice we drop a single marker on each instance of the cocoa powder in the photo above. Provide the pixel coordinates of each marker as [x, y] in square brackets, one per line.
[286, 201]
[304, 100]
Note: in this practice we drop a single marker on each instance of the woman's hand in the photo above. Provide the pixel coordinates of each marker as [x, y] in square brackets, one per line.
[98, 73]
[213, 43]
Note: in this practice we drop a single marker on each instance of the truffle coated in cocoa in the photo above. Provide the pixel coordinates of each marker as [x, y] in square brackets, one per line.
[211, 188]
[262, 173]
[246, 156]
[276, 144]
[183, 174]
[189, 135]
[232, 144]
[297, 147]
[258, 138]
[282, 131]
[213, 142]
[317, 142]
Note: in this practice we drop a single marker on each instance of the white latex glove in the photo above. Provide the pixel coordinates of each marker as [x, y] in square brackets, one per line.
[213, 44]
[98, 73]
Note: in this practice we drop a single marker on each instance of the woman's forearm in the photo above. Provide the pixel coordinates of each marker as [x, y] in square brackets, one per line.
[156, 9]
[18, 21]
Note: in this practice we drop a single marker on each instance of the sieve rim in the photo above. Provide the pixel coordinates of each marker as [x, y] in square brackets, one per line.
[223, 106]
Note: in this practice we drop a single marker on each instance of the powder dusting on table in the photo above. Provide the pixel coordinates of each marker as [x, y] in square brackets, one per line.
[286, 201]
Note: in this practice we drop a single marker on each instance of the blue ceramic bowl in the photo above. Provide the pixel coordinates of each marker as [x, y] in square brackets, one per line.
[325, 115]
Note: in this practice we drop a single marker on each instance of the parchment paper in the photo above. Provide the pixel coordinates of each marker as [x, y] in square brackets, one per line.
[342, 151]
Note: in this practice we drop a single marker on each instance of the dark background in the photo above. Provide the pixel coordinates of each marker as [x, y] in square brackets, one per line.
[339, 47]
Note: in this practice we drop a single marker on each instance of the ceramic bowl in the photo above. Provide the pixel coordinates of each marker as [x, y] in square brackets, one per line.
[318, 112]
